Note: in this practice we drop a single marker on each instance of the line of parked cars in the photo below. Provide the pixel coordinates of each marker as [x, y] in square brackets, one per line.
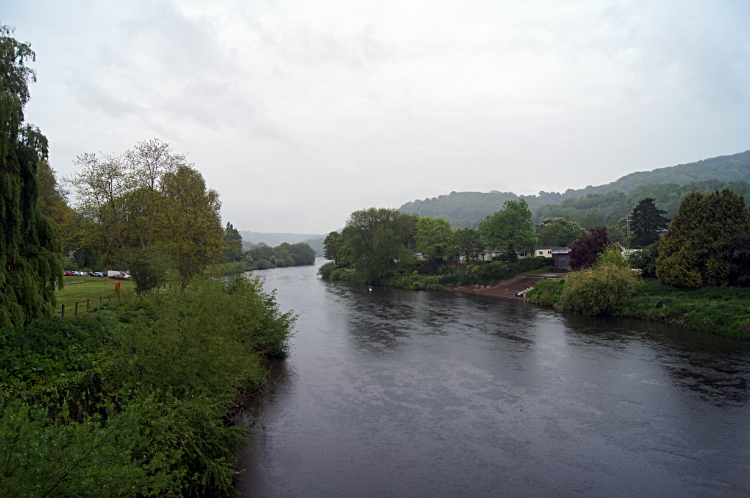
[118, 275]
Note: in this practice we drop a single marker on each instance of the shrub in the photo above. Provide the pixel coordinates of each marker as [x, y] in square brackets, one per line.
[547, 291]
[149, 270]
[645, 260]
[598, 290]
[325, 270]
[448, 279]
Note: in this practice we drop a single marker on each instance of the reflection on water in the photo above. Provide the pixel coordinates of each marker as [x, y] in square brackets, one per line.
[399, 393]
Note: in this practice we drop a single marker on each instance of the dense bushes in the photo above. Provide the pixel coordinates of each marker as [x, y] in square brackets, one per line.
[599, 290]
[135, 400]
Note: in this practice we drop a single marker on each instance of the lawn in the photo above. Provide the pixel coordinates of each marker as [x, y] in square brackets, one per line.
[78, 289]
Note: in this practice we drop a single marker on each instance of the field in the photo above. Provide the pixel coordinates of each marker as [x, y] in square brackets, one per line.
[78, 289]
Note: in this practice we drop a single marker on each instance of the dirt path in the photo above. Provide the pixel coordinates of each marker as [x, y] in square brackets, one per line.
[505, 289]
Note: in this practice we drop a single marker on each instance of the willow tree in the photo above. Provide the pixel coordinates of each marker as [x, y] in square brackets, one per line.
[30, 245]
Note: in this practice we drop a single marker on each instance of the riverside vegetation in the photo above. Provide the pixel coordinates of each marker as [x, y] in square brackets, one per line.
[697, 276]
[707, 248]
[378, 246]
[137, 397]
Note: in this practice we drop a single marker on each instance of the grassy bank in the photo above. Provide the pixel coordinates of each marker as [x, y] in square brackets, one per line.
[79, 289]
[136, 398]
[717, 310]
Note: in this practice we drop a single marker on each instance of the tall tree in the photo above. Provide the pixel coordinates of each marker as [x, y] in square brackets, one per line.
[435, 239]
[190, 222]
[737, 252]
[124, 194]
[584, 251]
[468, 243]
[332, 246]
[510, 229]
[30, 243]
[689, 253]
[646, 221]
[232, 243]
[377, 241]
[52, 197]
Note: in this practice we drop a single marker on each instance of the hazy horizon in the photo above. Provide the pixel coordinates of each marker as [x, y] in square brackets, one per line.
[300, 113]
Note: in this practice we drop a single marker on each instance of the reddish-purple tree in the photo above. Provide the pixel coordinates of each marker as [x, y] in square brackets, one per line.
[583, 252]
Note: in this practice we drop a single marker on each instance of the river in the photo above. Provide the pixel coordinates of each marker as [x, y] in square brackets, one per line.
[433, 394]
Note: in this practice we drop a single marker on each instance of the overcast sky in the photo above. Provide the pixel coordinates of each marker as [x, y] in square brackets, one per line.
[298, 113]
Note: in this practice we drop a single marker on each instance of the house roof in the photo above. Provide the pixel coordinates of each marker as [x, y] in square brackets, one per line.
[551, 248]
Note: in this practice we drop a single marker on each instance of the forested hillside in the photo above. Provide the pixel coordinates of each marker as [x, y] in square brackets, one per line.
[614, 205]
[668, 185]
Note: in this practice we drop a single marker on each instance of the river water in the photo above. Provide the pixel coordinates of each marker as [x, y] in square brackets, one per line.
[429, 394]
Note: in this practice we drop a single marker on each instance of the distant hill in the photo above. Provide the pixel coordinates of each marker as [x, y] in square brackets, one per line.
[274, 239]
[467, 208]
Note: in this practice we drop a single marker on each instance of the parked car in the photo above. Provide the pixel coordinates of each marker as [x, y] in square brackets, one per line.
[70, 273]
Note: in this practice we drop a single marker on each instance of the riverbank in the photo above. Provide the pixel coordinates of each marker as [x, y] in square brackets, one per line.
[443, 277]
[717, 310]
[137, 395]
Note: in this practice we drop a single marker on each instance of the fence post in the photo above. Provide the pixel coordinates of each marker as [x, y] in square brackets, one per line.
[87, 305]
[63, 311]
[109, 299]
[76, 308]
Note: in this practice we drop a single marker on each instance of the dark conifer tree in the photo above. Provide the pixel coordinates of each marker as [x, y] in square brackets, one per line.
[689, 253]
[30, 244]
[646, 221]
[737, 252]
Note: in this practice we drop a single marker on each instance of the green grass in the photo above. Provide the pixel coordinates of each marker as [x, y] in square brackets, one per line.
[716, 310]
[78, 289]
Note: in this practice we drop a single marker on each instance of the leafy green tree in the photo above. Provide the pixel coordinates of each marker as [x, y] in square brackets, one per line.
[232, 243]
[559, 231]
[125, 195]
[190, 222]
[435, 239]
[332, 246]
[646, 221]
[510, 229]
[52, 197]
[30, 242]
[377, 241]
[468, 243]
[689, 253]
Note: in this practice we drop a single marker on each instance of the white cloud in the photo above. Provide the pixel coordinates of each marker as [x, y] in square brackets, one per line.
[300, 112]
